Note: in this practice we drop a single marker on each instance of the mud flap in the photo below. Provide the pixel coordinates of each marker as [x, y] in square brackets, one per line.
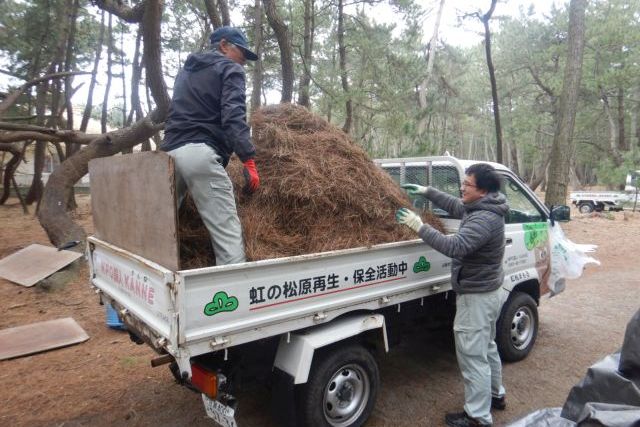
[283, 400]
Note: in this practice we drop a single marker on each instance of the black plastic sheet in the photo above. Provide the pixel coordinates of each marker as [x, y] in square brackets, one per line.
[608, 395]
[610, 415]
[630, 353]
[604, 384]
[548, 417]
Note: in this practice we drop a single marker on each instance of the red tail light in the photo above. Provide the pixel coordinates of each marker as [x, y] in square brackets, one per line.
[204, 380]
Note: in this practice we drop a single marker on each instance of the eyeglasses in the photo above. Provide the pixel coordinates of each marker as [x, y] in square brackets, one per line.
[468, 184]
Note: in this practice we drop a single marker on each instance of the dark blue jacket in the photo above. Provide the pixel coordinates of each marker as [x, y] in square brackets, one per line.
[209, 106]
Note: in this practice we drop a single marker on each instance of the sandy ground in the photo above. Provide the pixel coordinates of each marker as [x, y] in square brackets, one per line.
[108, 380]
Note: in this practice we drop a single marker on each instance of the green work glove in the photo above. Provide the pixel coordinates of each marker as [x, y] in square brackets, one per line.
[415, 189]
[408, 218]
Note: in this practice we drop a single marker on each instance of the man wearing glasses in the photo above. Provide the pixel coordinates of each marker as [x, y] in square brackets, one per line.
[206, 124]
[476, 252]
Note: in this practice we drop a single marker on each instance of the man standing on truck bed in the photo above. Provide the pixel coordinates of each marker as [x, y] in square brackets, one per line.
[476, 250]
[205, 126]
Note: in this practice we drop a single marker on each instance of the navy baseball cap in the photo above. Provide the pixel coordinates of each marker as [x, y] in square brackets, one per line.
[235, 36]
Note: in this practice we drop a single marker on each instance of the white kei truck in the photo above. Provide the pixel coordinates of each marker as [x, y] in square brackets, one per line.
[599, 201]
[311, 324]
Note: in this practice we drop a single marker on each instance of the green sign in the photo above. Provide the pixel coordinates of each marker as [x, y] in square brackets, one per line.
[221, 302]
[422, 265]
[535, 234]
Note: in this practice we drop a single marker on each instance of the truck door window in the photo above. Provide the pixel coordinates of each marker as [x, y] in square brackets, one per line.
[443, 177]
[394, 172]
[521, 208]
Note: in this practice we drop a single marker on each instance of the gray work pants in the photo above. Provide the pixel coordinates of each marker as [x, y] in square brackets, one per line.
[474, 330]
[199, 170]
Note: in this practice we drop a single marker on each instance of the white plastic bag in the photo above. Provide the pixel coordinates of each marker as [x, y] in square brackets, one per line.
[567, 259]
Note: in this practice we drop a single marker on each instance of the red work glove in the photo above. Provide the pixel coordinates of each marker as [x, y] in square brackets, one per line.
[251, 176]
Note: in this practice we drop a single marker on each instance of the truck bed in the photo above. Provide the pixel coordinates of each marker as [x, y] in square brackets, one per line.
[201, 310]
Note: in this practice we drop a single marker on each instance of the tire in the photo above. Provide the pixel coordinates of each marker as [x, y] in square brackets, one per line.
[517, 327]
[586, 207]
[341, 390]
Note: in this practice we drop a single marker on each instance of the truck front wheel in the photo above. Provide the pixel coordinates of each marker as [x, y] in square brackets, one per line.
[586, 207]
[517, 327]
[342, 388]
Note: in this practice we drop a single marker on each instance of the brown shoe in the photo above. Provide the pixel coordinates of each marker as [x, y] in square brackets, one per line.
[461, 419]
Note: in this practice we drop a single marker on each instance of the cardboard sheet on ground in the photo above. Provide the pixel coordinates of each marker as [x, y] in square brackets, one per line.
[41, 336]
[35, 262]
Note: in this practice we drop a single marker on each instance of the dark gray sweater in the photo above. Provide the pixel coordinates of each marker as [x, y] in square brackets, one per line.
[477, 249]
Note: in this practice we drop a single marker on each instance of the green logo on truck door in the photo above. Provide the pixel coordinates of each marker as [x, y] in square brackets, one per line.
[535, 234]
[421, 265]
[221, 302]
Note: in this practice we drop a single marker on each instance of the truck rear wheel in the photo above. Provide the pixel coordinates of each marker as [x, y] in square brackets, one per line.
[342, 388]
[517, 327]
[586, 207]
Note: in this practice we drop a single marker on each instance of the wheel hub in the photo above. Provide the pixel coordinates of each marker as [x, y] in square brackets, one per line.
[521, 328]
[346, 395]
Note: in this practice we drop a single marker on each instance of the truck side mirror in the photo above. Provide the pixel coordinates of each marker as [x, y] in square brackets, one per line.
[560, 213]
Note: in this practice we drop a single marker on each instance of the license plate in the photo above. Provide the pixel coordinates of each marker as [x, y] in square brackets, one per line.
[220, 413]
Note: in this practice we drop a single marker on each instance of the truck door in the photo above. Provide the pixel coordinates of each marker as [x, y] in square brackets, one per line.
[527, 251]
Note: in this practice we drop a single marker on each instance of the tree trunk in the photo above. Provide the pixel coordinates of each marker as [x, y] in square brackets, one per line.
[305, 78]
[136, 75]
[342, 54]
[52, 214]
[96, 62]
[636, 123]
[622, 140]
[10, 168]
[152, 54]
[563, 147]
[68, 66]
[513, 146]
[105, 99]
[123, 78]
[257, 74]
[424, 86]
[224, 12]
[284, 43]
[613, 131]
[214, 15]
[35, 191]
[492, 77]
[538, 175]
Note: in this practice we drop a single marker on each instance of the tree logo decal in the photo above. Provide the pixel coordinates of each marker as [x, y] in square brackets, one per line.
[535, 234]
[221, 302]
[421, 265]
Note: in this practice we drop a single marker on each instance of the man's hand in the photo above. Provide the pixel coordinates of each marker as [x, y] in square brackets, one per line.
[408, 218]
[251, 176]
[415, 190]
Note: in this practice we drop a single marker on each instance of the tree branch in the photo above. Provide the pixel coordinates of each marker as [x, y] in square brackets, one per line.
[13, 96]
[52, 214]
[544, 87]
[152, 58]
[58, 136]
[126, 13]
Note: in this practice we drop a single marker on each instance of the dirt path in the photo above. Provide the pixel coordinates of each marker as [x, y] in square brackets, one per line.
[108, 380]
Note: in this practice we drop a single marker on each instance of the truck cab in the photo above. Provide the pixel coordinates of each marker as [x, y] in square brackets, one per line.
[527, 261]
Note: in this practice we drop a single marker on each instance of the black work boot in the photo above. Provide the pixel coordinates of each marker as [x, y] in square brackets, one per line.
[461, 419]
[498, 403]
